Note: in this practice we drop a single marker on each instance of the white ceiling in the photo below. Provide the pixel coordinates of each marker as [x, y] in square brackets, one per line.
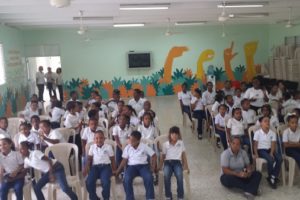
[39, 14]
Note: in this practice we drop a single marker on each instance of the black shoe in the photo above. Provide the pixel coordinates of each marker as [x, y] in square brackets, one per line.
[272, 182]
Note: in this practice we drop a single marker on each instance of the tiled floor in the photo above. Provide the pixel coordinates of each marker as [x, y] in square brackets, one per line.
[203, 163]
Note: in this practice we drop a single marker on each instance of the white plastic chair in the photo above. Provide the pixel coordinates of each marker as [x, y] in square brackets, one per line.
[44, 117]
[291, 161]
[103, 122]
[61, 151]
[112, 178]
[13, 125]
[67, 133]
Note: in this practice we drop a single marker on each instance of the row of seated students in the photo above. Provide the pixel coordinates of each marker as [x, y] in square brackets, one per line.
[127, 130]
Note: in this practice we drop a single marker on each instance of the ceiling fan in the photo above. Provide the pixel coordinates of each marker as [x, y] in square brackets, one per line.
[223, 17]
[82, 30]
[290, 22]
[168, 31]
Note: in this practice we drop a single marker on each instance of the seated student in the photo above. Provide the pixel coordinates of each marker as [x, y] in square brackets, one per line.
[116, 113]
[35, 124]
[121, 132]
[184, 98]
[33, 110]
[130, 112]
[220, 124]
[100, 165]
[228, 90]
[89, 133]
[256, 95]
[112, 104]
[92, 99]
[236, 126]
[3, 128]
[237, 98]
[237, 172]
[73, 96]
[244, 87]
[73, 119]
[248, 114]
[147, 108]
[12, 171]
[81, 111]
[137, 103]
[97, 106]
[274, 95]
[52, 171]
[198, 110]
[297, 113]
[208, 96]
[229, 103]
[291, 102]
[267, 111]
[219, 99]
[291, 138]
[281, 88]
[147, 128]
[135, 156]
[173, 160]
[27, 135]
[56, 114]
[265, 147]
[48, 136]
[34, 97]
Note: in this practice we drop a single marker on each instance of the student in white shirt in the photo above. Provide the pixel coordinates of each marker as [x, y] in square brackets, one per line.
[208, 96]
[116, 113]
[256, 95]
[147, 128]
[112, 104]
[73, 96]
[147, 108]
[27, 135]
[236, 126]
[33, 110]
[221, 125]
[265, 147]
[97, 106]
[100, 165]
[198, 110]
[134, 121]
[228, 90]
[34, 97]
[56, 114]
[248, 114]
[3, 128]
[121, 133]
[184, 98]
[12, 171]
[137, 103]
[274, 95]
[52, 171]
[291, 138]
[35, 123]
[267, 111]
[219, 99]
[173, 160]
[237, 98]
[88, 133]
[49, 136]
[229, 103]
[244, 88]
[135, 156]
[40, 82]
[92, 99]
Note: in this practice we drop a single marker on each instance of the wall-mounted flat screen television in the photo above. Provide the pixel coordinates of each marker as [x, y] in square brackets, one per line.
[139, 60]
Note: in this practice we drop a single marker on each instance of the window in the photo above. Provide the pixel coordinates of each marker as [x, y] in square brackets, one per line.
[2, 70]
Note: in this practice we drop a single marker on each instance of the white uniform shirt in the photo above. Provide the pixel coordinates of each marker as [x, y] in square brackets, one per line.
[237, 101]
[72, 121]
[237, 127]
[112, 105]
[139, 155]
[32, 138]
[173, 152]
[208, 97]
[11, 161]
[50, 77]
[185, 97]
[274, 123]
[40, 78]
[29, 113]
[252, 93]
[101, 155]
[54, 135]
[215, 107]
[199, 105]
[88, 134]
[35, 161]
[221, 120]
[4, 134]
[134, 121]
[27, 106]
[290, 136]
[148, 133]
[228, 92]
[249, 116]
[57, 114]
[264, 139]
[123, 134]
[136, 105]
[59, 80]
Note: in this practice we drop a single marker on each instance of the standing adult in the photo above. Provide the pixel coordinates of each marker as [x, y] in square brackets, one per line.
[40, 82]
[59, 83]
[50, 78]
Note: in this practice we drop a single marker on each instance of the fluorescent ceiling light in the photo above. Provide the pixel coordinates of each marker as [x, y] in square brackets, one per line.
[190, 23]
[243, 4]
[144, 6]
[129, 25]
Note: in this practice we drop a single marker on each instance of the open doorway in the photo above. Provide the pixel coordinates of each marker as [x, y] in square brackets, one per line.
[33, 64]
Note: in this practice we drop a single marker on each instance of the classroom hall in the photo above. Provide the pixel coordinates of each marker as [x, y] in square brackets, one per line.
[151, 99]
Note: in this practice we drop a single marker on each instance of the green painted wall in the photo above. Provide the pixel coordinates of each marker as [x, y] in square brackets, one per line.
[104, 57]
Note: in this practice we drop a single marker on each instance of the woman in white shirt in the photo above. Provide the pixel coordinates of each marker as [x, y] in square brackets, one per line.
[256, 95]
[198, 110]
[291, 139]
[265, 147]
[184, 98]
[59, 83]
[173, 160]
